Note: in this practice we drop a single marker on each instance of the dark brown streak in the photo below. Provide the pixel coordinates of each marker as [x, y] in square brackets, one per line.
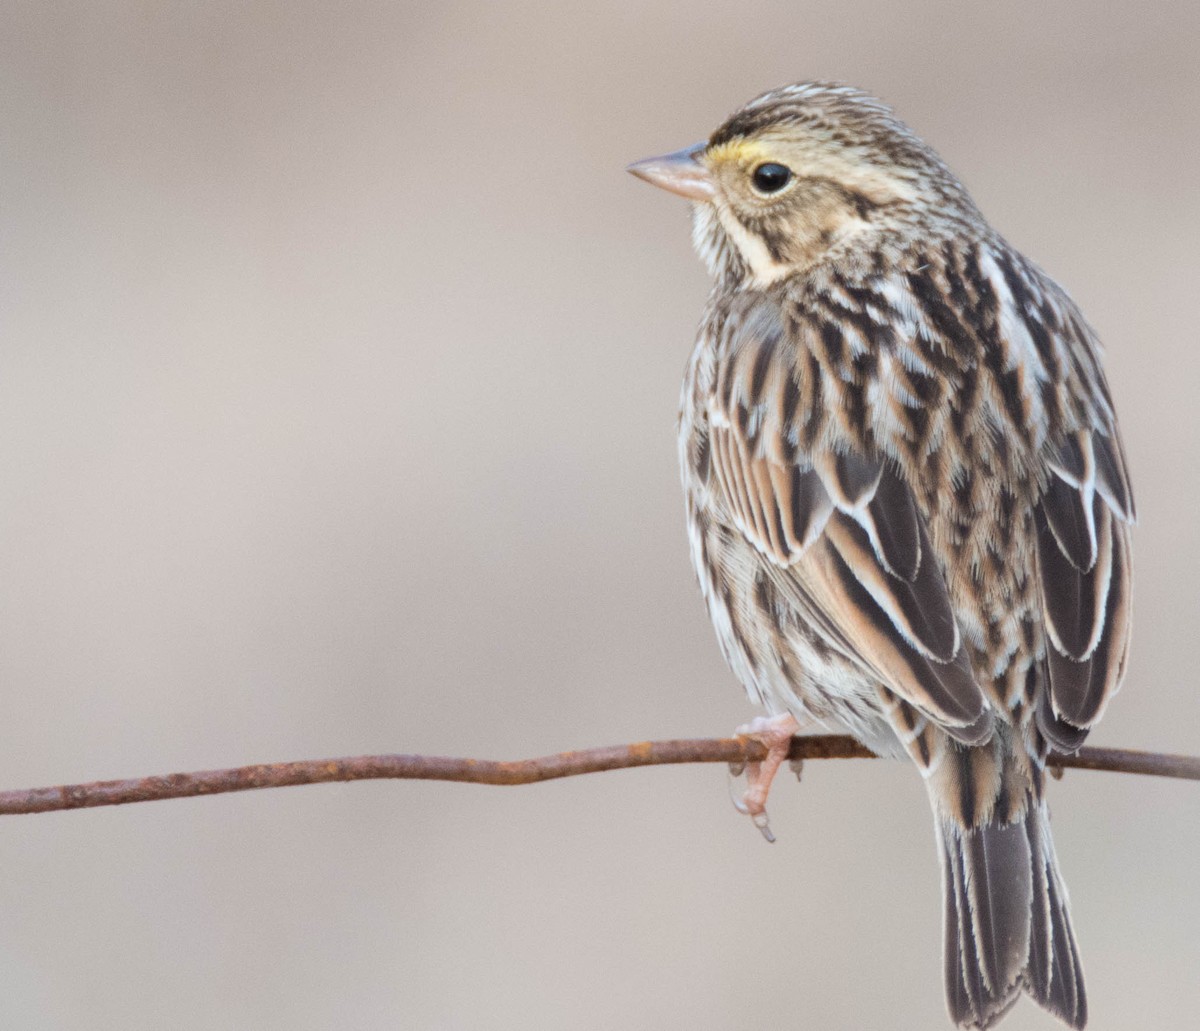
[956, 348]
[834, 345]
[962, 401]
[966, 787]
[1009, 383]
[813, 419]
[762, 363]
[791, 398]
[922, 742]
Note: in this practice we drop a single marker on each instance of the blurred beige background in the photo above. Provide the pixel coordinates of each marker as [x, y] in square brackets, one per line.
[338, 377]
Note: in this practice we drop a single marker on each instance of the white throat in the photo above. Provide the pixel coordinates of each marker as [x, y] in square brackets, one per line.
[764, 269]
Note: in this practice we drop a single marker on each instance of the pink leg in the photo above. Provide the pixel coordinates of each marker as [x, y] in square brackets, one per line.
[775, 734]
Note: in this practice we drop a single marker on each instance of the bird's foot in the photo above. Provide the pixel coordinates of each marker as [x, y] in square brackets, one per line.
[774, 733]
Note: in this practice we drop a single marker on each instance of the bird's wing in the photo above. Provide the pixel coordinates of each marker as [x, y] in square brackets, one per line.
[1085, 509]
[844, 525]
[1085, 575]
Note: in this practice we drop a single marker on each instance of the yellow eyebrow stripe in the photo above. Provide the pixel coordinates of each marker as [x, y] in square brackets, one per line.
[741, 151]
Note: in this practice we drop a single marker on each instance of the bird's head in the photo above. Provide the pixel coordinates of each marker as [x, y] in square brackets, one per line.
[804, 173]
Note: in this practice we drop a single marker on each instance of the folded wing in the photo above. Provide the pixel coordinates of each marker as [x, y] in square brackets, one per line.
[1083, 546]
[847, 526]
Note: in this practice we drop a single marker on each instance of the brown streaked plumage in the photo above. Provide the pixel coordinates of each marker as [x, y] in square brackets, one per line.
[907, 498]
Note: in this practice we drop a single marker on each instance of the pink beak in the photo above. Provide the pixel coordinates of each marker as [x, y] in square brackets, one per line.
[680, 172]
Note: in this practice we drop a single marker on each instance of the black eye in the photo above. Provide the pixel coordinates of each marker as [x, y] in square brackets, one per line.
[771, 178]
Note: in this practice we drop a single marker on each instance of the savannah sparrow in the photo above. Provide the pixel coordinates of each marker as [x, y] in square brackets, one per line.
[906, 499]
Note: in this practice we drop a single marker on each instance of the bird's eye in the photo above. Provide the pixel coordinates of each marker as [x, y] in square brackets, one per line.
[771, 177]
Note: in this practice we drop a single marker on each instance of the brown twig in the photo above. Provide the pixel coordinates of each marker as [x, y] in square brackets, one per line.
[522, 771]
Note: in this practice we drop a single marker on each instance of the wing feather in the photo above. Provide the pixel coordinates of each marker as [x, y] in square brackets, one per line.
[850, 479]
[945, 691]
[1071, 519]
[919, 609]
[1075, 598]
[1112, 481]
[896, 529]
[811, 508]
[846, 531]
[1084, 564]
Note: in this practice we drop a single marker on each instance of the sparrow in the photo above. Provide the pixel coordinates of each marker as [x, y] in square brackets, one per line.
[907, 500]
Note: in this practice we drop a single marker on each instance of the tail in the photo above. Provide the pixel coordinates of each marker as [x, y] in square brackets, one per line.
[1008, 928]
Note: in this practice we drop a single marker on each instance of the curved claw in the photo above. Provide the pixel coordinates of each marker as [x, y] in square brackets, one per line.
[764, 825]
[735, 792]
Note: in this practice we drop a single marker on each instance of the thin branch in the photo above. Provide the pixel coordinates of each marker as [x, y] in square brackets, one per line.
[522, 771]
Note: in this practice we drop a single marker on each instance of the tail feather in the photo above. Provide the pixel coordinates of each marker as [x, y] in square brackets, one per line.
[987, 941]
[1055, 974]
[1008, 929]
